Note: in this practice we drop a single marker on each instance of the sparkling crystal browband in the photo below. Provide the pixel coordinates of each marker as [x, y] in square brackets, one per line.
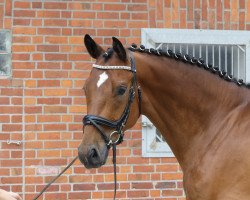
[111, 67]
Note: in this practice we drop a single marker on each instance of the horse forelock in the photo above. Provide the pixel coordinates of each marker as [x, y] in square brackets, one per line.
[108, 53]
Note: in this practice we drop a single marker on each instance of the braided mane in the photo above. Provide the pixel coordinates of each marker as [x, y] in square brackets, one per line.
[191, 60]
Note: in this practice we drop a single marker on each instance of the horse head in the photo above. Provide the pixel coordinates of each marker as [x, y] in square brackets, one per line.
[111, 109]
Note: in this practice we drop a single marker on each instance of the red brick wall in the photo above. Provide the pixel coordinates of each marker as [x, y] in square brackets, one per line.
[42, 104]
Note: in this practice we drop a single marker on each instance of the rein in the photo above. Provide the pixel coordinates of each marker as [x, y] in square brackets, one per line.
[119, 124]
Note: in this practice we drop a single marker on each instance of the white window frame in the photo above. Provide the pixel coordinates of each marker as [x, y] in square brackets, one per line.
[151, 37]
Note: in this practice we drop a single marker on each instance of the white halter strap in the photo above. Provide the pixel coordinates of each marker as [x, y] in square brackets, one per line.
[112, 67]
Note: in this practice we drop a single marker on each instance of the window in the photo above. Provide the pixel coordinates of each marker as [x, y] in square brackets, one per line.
[5, 53]
[228, 50]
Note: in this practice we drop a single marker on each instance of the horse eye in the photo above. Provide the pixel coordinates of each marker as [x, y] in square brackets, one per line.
[121, 90]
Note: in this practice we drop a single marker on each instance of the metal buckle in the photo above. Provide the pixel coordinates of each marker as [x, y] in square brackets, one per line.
[110, 136]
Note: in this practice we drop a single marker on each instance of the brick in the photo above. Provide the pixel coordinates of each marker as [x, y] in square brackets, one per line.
[11, 92]
[48, 83]
[21, 22]
[48, 14]
[55, 5]
[56, 40]
[56, 57]
[212, 4]
[183, 18]
[66, 101]
[55, 92]
[165, 185]
[83, 187]
[114, 7]
[55, 162]
[33, 109]
[50, 65]
[81, 23]
[4, 100]
[49, 31]
[172, 176]
[55, 109]
[22, 39]
[55, 127]
[55, 22]
[234, 11]
[8, 7]
[33, 92]
[4, 119]
[7, 23]
[183, 4]
[2, 11]
[24, 13]
[4, 172]
[84, 15]
[137, 7]
[48, 153]
[80, 178]
[23, 48]
[10, 163]
[137, 24]
[16, 118]
[144, 185]
[23, 65]
[219, 10]
[227, 4]
[172, 192]
[138, 193]
[33, 180]
[66, 14]
[108, 15]
[113, 24]
[16, 154]
[34, 145]
[48, 101]
[49, 135]
[82, 6]
[36, 4]
[23, 5]
[80, 195]
[242, 4]
[48, 48]
[11, 180]
[143, 169]
[24, 30]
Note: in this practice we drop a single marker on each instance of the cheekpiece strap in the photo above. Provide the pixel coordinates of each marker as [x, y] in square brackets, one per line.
[111, 67]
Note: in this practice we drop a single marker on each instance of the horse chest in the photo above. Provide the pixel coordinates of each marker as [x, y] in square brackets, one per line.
[196, 185]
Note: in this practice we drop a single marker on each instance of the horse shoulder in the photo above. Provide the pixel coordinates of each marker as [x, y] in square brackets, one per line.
[220, 169]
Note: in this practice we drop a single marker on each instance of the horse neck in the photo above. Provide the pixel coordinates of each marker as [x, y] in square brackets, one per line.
[183, 100]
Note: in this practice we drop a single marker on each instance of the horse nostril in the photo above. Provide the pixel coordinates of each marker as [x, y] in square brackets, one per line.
[93, 153]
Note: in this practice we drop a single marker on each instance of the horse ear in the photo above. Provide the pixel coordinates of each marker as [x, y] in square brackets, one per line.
[119, 49]
[94, 49]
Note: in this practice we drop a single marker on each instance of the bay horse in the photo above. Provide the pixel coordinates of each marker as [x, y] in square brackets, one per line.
[201, 111]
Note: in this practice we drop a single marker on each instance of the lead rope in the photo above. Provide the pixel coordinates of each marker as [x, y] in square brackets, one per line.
[54, 179]
[114, 162]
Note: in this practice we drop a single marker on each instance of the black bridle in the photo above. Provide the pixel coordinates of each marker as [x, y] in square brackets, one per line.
[119, 124]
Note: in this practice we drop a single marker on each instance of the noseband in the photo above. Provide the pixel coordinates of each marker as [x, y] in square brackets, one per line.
[119, 124]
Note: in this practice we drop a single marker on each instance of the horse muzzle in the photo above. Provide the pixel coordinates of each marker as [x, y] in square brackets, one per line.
[93, 157]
